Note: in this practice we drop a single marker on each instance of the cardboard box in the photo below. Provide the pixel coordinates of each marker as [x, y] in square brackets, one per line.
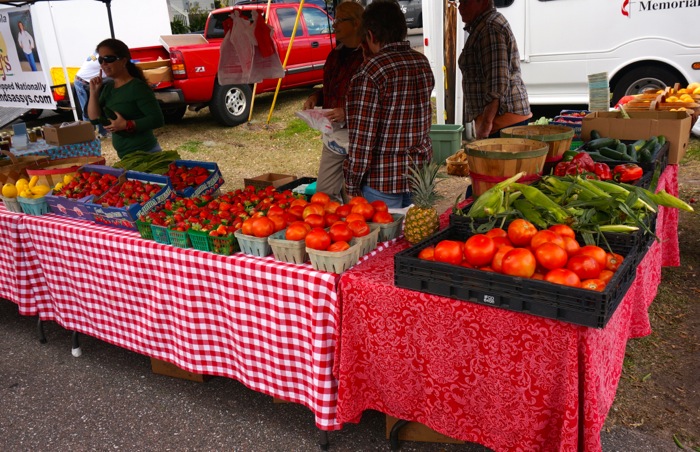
[159, 74]
[414, 431]
[674, 125]
[171, 370]
[144, 65]
[267, 179]
[69, 133]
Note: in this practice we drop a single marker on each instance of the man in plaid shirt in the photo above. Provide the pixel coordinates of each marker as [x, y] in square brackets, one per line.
[388, 110]
[494, 93]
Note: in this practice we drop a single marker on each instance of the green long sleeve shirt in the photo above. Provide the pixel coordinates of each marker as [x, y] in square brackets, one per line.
[134, 101]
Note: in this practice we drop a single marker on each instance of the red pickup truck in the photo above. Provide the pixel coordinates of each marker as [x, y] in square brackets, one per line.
[194, 61]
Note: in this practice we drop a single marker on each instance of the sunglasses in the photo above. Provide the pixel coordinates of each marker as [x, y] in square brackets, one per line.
[108, 59]
[338, 21]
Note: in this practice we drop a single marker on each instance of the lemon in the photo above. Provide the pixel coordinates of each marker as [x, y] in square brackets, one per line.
[686, 98]
[9, 191]
[672, 99]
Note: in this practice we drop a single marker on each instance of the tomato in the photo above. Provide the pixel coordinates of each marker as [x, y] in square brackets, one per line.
[315, 220]
[550, 255]
[280, 222]
[571, 245]
[365, 209]
[593, 284]
[331, 206]
[318, 239]
[606, 276]
[339, 246]
[357, 200]
[275, 209]
[449, 251]
[330, 218]
[340, 232]
[545, 236]
[313, 209]
[297, 211]
[479, 250]
[563, 230]
[613, 261]
[537, 276]
[320, 198]
[520, 232]
[298, 202]
[584, 266]
[359, 228]
[383, 217]
[343, 210]
[379, 206]
[247, 227]
[519, 262]
[263, 227]
[501, 241]
[595, 252]
[496, 232]
[354, 216]
[486, 269]
[497, 262]
[563, 276]
[295, 232]
[427, 253]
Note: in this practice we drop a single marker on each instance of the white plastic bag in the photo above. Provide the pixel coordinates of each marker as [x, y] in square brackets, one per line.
[236, 54]
[266, 61]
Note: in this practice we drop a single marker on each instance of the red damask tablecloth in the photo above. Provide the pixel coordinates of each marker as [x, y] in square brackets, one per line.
[507, 380]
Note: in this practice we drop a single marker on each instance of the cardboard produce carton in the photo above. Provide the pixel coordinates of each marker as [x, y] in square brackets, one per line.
[674, 125]
[69, 133]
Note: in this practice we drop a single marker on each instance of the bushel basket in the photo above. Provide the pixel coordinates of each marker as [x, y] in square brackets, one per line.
[14, 168]
[52, 172]
[558, 138]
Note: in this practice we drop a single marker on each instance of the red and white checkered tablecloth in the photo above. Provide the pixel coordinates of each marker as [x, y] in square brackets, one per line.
[267, 324]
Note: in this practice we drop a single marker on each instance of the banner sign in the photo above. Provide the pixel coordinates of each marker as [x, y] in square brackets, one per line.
[23, 80]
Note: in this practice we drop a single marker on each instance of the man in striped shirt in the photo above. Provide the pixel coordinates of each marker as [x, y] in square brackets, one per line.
[388, 110]
[494, 93]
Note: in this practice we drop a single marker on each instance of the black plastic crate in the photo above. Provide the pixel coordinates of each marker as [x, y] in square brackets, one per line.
[540, 298]
[297, 182]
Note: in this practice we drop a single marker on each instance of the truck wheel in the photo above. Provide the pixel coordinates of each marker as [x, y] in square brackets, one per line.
[230, 104]
[173, 114]
[643, 78]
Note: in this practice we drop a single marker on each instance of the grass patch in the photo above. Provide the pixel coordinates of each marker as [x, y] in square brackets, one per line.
[693, 151]
[190, 146]
[295, 127]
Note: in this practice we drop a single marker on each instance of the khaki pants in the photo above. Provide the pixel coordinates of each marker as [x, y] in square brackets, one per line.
[330, 175]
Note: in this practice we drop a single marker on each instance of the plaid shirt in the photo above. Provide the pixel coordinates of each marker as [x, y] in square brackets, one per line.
[389, 116]
[341, 65]
[490, 65]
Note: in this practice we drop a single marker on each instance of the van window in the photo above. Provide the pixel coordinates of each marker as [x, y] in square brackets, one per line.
[287, 16]
[317, 23]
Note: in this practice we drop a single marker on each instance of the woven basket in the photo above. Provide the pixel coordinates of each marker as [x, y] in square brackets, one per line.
[257, 246]
[12, 204]
[389, 231]
[335, 261]
[53, 171]
[16, 167]
[292, 251]
[558, 138]
[457, 165]
[34, 206]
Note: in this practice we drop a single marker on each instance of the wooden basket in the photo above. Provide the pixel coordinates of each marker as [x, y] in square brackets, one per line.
[457, 164]
[558, 138]
[16, 167]
[495, 159]
[53, 171]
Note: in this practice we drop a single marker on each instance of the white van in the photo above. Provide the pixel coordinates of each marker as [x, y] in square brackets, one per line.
[639, 43]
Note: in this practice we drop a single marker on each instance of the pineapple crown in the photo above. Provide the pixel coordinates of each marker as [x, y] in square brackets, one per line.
[423, 179]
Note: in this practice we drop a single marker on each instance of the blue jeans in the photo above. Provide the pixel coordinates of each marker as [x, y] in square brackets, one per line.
[82, 90]
[30, 59]
[392, 200]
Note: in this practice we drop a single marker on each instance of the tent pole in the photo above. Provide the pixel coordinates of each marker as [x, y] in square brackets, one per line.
[108, 4]
[255, 85]
[69, 90]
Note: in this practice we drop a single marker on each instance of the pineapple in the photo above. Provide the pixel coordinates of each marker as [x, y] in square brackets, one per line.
[422, 219]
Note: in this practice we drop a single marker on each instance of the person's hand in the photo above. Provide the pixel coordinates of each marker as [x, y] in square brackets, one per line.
[118, 124]
[310, 102]
[482, 129]
[336, 115]
[95, 85]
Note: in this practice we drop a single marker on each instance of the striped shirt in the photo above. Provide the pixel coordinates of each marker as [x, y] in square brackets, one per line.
[389, 116]
[490, 65]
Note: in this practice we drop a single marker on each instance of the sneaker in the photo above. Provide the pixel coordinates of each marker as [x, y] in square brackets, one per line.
[106, 136]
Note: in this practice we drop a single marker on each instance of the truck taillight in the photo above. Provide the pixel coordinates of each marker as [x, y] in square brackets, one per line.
[177, 63]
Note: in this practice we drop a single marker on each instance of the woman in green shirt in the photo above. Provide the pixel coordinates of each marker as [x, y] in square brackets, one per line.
[125, 104]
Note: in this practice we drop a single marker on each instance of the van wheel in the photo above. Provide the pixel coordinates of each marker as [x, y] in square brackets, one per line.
[173, 114]
[645, 78]
[230, 104]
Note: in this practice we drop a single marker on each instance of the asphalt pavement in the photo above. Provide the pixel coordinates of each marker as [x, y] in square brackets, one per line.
[109, 399]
